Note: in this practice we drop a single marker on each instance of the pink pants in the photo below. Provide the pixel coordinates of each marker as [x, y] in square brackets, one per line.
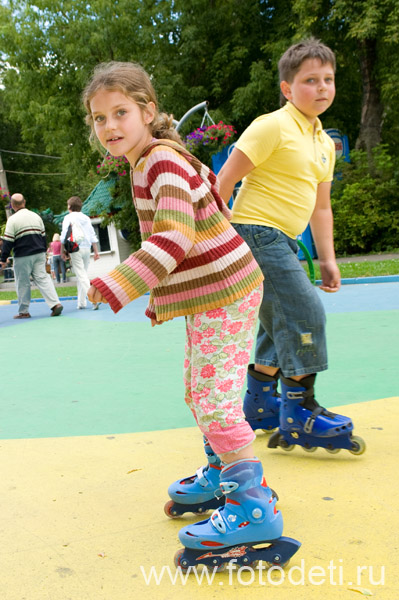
[217, 353]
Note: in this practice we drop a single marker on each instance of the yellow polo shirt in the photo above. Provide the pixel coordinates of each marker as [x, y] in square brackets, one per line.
[291, 159]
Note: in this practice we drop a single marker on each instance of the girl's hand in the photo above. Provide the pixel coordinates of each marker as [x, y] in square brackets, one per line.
[155, 322]
[95, 296]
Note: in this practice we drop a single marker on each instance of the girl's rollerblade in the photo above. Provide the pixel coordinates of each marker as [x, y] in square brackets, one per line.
[246, 529]
[261, 401]
[305, 423]
[197, 493]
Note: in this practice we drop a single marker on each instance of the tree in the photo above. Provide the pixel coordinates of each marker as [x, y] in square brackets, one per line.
[365, 36]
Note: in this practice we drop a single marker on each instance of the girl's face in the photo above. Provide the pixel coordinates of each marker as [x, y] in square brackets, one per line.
[313, 88]
[121, 126]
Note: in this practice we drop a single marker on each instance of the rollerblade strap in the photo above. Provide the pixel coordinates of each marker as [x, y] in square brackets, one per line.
[217, 521]
[310, 421]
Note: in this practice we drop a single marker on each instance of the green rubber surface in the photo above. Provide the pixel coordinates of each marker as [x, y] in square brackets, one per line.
[94, 373]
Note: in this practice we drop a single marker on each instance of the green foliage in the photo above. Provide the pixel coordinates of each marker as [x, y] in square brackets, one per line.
[225, 52]
[366, 203]
[122, 213]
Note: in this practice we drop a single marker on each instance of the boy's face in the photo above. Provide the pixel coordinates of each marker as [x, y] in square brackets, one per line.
[313, 89]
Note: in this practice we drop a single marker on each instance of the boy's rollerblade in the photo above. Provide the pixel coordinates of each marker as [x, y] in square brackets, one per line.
[261, 401]
[236, 531]
[197, 493]
[304, 422]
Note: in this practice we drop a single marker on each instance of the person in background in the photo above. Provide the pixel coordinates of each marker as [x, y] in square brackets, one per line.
[26, 236]
[80, 260]
[58, 262]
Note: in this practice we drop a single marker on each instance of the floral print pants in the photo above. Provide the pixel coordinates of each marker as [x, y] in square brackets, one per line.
[217, 353]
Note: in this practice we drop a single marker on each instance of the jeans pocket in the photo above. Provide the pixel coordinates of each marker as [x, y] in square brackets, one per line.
[265, 236]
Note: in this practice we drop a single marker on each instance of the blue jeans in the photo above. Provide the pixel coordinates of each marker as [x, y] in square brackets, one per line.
[57, 263]
[292, 320]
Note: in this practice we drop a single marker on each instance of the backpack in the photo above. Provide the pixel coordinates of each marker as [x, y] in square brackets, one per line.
[74, 236]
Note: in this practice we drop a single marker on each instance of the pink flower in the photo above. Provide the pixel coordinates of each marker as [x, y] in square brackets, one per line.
[216, 313]
[234, 327]
[244, 307]
[208, 333]
[196, 338]
[241, 358]
[186, 363]
[198, 396]
[230, 349]
[249, 324]
[229, 364]
[197, 321]
[226, 385]
[207, 407]
[215, 426]
[255, 299]
[208, 348]
[208, 371]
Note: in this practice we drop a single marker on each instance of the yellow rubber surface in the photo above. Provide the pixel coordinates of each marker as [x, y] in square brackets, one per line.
[82, 517]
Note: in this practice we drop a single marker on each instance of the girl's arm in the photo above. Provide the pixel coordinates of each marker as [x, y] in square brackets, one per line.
[172, 233]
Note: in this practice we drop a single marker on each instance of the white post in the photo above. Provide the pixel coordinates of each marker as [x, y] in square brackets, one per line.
[3, 183]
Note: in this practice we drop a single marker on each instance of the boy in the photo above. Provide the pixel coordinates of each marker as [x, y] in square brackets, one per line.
[286, 162]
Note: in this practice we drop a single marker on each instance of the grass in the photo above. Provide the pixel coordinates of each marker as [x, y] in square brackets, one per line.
[62, 292]
[364, 268]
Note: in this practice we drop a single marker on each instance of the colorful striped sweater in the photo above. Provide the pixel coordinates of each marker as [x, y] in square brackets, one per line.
[25, 234]
[191, 257]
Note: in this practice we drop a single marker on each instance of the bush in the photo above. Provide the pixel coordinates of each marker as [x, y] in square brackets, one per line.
[365, 201]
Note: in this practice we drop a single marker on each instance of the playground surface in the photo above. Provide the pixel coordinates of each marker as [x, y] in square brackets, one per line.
[93, 429]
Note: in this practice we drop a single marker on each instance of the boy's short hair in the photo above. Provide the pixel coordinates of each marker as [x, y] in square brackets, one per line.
[75, 204]
[292, 59]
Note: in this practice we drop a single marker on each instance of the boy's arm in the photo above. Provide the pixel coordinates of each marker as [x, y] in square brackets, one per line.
[234, 169]
[321, 224]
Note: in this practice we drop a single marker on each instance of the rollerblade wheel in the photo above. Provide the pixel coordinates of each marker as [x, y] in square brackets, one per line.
[183, 564]
[358, 445]
[286, 446]
[170, 511]
[333, 450]
[310, 448]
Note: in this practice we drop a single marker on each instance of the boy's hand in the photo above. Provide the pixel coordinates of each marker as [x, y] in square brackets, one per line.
[95, 296]
[330, 277]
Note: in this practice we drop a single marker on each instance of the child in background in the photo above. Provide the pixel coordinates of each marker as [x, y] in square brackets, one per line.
[195, 265]
[55, 258]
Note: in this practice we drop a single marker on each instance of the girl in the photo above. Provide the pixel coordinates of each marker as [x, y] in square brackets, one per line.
[194, 264]
[57, 262]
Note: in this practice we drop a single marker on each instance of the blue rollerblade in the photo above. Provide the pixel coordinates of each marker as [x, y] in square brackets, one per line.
[197, 493]
[261, 401]
[305, 423]
[246, 529]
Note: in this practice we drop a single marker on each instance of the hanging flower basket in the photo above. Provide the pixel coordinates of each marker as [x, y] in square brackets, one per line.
[113, 164]
[4, 195]
[212, 138]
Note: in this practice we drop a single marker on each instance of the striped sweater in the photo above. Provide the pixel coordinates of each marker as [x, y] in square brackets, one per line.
[191, 258]
[24, 234]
